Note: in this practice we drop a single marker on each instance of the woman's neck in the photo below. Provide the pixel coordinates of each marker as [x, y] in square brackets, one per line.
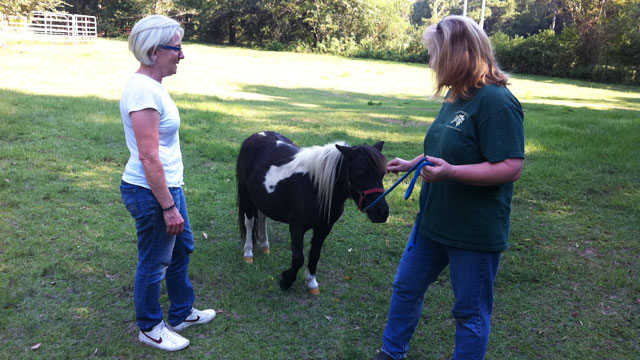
[149, 71]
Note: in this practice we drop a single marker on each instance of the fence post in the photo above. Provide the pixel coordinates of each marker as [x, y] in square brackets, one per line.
[74, 30]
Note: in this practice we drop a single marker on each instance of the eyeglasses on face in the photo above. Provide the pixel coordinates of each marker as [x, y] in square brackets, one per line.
[176, 48]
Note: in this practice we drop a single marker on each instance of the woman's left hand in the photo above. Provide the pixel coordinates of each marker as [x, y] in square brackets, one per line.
[441, 171]
[173, 221]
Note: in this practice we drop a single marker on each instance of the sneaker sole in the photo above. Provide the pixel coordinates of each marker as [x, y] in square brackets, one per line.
[185, 325]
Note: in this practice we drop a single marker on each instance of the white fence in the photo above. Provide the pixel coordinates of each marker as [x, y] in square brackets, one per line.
[48, 26]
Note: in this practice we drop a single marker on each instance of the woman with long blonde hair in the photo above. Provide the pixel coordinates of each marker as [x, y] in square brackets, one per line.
[476, 146]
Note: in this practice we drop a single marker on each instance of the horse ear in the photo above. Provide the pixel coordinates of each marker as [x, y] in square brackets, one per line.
[345, 150]
[379, 145]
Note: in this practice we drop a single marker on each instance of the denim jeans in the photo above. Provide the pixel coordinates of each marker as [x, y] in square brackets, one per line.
[160, 256]
[472, 278]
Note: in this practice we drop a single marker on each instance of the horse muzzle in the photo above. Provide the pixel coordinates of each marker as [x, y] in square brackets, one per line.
[379, 212]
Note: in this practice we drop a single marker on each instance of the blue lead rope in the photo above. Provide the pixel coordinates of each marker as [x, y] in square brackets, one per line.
[417, 167]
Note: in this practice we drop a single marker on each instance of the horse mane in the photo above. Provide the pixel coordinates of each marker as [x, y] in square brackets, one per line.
[322, 164]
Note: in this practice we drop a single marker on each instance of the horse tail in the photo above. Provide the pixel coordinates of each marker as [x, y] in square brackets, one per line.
[241, 191]
[246, 208]
[241, 229]
[256, 234]
[242, 197]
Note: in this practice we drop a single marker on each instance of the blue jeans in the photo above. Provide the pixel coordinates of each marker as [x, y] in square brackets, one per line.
[160, 256]
[472, 278]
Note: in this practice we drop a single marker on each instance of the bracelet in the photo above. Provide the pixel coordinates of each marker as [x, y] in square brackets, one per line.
[170, 207]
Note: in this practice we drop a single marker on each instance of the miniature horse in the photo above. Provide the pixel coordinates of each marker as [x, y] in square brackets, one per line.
[305, 188]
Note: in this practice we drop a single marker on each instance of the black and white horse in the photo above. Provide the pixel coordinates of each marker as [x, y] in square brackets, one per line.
[305, 188]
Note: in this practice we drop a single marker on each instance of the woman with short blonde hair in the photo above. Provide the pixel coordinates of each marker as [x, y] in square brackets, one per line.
[151, 32]
[151, 187]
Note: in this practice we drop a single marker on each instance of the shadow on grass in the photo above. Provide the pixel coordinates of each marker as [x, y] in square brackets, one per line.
[575, 82]
[89, 130]
[635, 100]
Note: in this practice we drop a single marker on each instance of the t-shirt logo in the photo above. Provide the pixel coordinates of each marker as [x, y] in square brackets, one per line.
[460, 117]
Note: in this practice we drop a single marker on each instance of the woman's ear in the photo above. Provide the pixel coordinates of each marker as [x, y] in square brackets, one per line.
[153, 55]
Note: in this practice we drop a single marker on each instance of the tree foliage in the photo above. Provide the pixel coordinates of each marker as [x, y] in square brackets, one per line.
[24, 7]
[580, 38]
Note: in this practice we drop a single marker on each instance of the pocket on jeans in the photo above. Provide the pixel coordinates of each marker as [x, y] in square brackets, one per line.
[129, 199]
[139, 202]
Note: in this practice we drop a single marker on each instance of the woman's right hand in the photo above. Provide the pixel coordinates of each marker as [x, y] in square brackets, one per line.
[398, 164]
[174, 221]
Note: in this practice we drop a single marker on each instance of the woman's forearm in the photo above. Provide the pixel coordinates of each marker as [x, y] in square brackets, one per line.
[154, 173]
[488, 174]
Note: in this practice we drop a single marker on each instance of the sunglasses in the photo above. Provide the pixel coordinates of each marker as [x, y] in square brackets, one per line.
[176, 48]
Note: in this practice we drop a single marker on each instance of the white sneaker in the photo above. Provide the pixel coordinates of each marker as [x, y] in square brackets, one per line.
[197, 317]
[163, 338]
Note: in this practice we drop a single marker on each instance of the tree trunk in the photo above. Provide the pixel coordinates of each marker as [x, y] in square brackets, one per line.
[232, 31]
[315, 38]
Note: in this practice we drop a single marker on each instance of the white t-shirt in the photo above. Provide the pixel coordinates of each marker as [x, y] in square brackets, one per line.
[142, 92]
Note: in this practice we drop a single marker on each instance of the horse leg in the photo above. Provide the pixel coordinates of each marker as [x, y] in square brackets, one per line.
[297, 257]
[248, 242]
[314, 256]
[261, 236]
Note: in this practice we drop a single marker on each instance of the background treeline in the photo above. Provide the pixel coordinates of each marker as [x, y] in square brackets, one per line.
[585, 39]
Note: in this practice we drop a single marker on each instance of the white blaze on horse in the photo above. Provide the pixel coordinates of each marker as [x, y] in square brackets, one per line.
[305, 188]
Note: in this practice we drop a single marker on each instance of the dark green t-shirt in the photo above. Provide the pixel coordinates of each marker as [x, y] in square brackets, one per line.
[489, 127]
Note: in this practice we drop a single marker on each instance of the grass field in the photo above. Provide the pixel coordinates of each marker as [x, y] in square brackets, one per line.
[568, 288]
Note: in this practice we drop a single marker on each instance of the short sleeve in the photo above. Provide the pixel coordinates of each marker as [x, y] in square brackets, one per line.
[139, 99]
[501, 134]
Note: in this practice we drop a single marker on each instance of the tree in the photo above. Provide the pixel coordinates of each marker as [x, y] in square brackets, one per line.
[604, 24]
[25, 7]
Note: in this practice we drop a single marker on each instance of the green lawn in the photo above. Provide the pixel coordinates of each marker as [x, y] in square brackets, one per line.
[568, 288]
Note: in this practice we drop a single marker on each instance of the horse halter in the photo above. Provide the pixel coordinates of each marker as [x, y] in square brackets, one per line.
[363, 194]
[418, 166]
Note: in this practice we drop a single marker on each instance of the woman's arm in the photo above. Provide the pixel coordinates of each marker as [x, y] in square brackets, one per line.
[146, 124]
[482, 174]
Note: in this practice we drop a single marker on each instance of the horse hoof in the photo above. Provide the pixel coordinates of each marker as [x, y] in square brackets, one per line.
[266, 250]
[284, 284]
[248, 259]
[314, 291]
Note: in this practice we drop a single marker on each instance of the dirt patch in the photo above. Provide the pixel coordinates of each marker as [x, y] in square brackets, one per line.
[305, 120]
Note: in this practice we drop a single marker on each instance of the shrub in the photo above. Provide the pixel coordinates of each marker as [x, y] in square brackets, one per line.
[570, 53]
[564, 55]
[505, 49]
[276, 46]
[538, 54]
[619, 74]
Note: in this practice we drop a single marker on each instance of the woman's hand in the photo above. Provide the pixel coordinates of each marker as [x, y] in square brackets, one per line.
[441, 171]
[398, 164]
[174, 221]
